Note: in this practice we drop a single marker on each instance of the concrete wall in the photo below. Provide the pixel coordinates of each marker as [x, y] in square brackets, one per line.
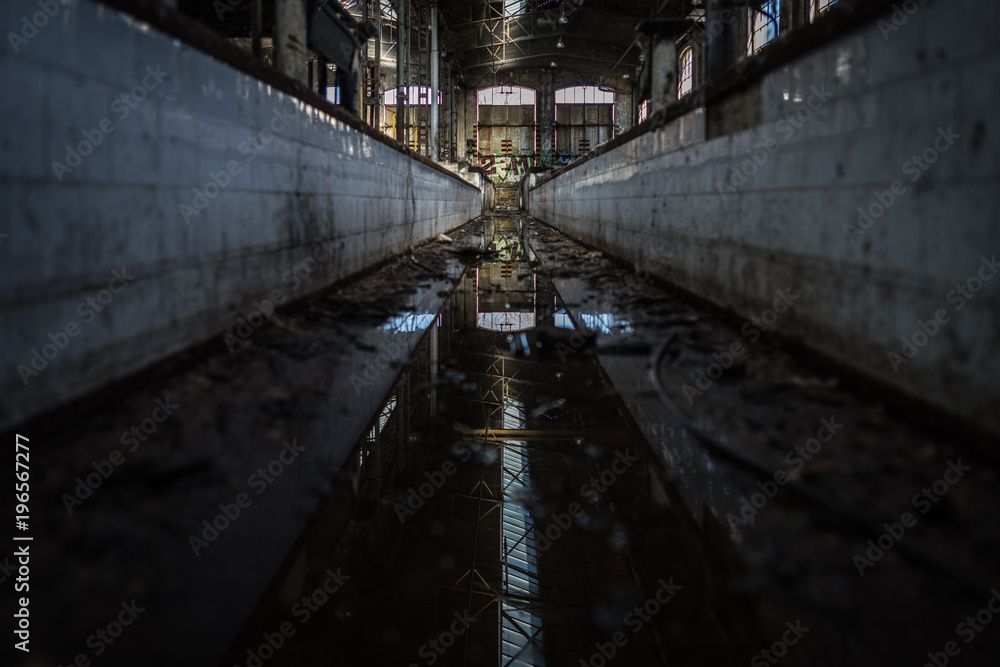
[208, 186]
[703, 214]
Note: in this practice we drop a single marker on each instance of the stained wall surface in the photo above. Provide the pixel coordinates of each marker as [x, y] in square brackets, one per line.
[153, 195]
[867, 191]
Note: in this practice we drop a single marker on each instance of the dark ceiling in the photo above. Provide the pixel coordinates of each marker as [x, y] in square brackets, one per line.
[480, 38]
[577, 33]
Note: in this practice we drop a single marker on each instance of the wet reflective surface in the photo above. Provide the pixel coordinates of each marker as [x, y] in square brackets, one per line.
[505, 511]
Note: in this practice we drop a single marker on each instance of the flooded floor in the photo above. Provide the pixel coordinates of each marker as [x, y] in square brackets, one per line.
[507, 509]
[535, 484]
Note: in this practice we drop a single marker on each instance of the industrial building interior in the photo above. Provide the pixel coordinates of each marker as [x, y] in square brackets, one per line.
[501, 332]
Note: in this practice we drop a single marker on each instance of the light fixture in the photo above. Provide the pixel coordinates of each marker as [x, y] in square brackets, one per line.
[559, 44]
[562, 17]
[554, 63]
[625, 75]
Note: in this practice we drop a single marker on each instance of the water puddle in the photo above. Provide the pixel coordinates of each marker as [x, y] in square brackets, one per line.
[504, 510]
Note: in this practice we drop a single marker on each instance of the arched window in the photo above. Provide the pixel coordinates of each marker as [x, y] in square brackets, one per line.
[763, 26]
[817, 7]
[506, 96]
[505, 122]
[686, 82]
[585, 118]
[585, 95]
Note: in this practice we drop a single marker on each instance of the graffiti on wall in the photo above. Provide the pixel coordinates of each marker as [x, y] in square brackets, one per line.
[505, 168]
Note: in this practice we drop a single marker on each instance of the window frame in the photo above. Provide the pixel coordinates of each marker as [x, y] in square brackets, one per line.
[686, 74]
[766, 23]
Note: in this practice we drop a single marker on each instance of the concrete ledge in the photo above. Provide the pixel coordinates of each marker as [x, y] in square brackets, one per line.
[154, 194]
[735, 218]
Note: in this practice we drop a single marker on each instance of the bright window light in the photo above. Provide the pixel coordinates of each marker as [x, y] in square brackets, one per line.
[763, 26]
[585, 95]
[506, 96]
[686, 82]
[817, 7]
[417, 96]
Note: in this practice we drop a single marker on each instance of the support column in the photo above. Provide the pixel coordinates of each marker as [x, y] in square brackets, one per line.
[322, 77]
[401, 88]
[290, 38]
[433, 139]
[454, 114]
[378, 64]
[722, 25]
[545, 114]
[256, 23]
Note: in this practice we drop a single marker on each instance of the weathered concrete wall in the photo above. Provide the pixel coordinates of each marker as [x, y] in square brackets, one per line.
[129, 153]
[905, 103]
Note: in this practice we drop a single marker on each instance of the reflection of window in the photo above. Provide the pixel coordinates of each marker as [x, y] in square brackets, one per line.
[644, 110]
[763, 26]
[521, 628]
[817, 7]
[686, 82]
[562, 320]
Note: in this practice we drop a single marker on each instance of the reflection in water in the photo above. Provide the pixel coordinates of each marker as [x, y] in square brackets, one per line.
[522, 630]
[504, 510]
[506, 288]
